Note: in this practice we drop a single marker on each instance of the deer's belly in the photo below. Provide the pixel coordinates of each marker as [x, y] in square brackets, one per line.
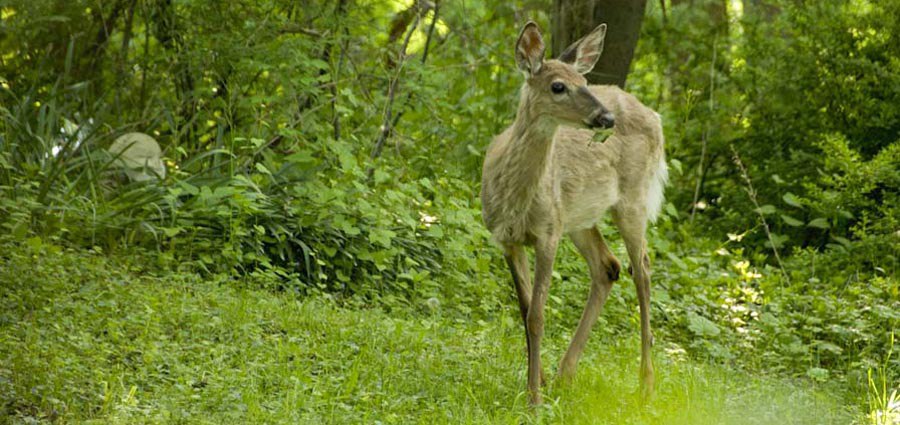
[585, 209]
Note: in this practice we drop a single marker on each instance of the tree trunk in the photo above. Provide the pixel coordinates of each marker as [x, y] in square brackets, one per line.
[573, 19]
[96, 52]
[166, 28]
[760, 10]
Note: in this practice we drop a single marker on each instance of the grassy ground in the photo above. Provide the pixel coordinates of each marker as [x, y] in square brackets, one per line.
[87, 340]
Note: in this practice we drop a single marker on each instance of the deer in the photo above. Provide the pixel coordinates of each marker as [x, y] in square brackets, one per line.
[545, 177]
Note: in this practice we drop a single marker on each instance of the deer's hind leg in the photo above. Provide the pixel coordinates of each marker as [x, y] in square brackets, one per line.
[632, 226]
[604, 269]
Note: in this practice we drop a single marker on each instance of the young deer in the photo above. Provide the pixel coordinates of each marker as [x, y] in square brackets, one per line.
[544, 177]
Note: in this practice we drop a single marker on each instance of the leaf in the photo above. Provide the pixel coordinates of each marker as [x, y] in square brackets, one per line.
[792, 200]
[676, 260]
[777, 240]
[671, 211]
[435, 231]
[819, 223]
[601, 136]
[827, 346]
[791, 221]
[817, 374]
[34, 243]
[381, 176]
[302, 157]
[381, 237]
[702, 326]
[262, 169]
[843, 241]
[676, 165]
[171, 231]
[766, 209]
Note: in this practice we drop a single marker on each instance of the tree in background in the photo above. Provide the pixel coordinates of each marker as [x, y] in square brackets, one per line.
[623, 18]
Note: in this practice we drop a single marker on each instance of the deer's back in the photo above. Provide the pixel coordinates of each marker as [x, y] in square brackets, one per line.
[624, 171]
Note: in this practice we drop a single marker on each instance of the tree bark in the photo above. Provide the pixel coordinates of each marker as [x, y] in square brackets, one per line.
[573, 19]
[96, 52]
[166, 28]
[761, 10]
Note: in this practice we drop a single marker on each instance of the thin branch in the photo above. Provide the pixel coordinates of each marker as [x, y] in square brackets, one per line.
[335, 117]
[386, 125]
[434, 19]
[705, 140]
[752, 194]
[665, 16]
[409, 95]
[296, 29]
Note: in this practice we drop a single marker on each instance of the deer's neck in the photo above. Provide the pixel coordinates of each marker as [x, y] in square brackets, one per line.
[526, 161]
[529, 153]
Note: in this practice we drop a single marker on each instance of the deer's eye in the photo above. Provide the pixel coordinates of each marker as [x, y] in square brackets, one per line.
[557, 87]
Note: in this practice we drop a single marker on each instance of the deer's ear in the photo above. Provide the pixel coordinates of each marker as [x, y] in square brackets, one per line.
[584, 53]
[530, 50]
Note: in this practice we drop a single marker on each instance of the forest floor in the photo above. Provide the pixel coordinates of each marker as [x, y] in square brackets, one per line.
[86, 339]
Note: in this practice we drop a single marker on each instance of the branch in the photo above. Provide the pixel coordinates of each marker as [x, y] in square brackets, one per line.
[386, 125]
[409, 95]
[751, 192]
[296, 29]
[705, 139]
[335, 117]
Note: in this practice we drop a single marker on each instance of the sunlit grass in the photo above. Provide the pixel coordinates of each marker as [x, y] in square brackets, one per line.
[81, 340]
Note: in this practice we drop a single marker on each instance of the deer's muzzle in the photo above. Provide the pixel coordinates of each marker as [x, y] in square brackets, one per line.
[601, 119]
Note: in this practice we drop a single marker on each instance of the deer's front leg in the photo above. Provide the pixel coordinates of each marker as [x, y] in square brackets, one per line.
[544, 253]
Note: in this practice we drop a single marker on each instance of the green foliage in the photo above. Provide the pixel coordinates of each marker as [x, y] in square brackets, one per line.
[268, 114]
[90, 338]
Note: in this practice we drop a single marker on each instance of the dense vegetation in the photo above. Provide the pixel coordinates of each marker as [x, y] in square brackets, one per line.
[332, 150]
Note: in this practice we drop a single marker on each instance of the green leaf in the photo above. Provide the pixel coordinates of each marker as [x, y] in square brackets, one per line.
[382, 237]
[676, 165]
[791, 221]
[777, 240]
[681, 264]
[827, 346]
[435, 231]
[817, 374]
[819, 223]
[702, 326]
[262, 169]
[601, 136]
[766, 209]
[843, 241]
[171, 231]
[792, 200]
[381, 176]
[302, 157]
[671, 211]
[34, 243]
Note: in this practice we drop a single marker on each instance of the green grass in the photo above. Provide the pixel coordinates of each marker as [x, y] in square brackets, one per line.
[85, 339]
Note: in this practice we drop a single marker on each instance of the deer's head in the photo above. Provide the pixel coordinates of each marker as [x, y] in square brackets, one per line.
[556, 88]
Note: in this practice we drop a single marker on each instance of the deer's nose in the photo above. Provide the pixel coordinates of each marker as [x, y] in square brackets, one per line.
[605, 120]
[601, 119]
